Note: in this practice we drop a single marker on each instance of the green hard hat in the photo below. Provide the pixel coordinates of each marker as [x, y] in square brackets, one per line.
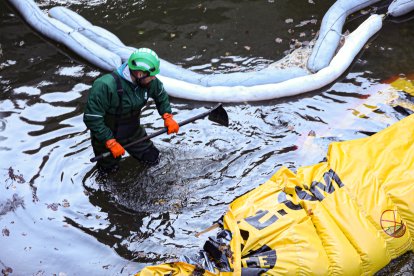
[144, 59]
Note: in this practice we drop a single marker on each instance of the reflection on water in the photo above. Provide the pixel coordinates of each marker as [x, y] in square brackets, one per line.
[57, 214]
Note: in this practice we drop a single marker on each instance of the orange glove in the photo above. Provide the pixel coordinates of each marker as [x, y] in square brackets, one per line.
[115, 148]
[170, 123]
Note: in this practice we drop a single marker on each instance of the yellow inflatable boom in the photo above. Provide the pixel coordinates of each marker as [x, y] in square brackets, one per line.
[350, 215]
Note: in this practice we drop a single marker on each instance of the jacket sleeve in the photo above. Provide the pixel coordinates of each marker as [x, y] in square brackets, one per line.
[160, 96]
[96, 107]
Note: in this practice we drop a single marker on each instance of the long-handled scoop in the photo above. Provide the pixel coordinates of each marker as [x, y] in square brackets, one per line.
[216, 114]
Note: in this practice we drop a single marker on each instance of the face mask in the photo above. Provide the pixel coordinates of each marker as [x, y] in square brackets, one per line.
[141, 79]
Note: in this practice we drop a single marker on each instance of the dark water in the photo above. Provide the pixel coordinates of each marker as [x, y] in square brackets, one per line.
[57, 217]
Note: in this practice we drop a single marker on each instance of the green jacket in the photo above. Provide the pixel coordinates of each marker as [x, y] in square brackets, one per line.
[103, 101]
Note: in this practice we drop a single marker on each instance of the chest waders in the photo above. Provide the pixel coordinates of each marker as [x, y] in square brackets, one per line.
[123, 126]
[126, 128]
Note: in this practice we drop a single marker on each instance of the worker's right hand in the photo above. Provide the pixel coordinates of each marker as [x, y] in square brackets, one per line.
[115, 148]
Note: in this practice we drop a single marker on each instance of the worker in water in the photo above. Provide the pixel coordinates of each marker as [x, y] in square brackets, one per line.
[113, 109]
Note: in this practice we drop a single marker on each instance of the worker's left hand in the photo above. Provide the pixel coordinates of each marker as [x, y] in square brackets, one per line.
[170, 123]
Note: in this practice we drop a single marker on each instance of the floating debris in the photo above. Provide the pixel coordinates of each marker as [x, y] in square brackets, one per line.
[5, 232]
[53, 206]
[11, 205]
[278, 40]
[65, 203]
[14, 177]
